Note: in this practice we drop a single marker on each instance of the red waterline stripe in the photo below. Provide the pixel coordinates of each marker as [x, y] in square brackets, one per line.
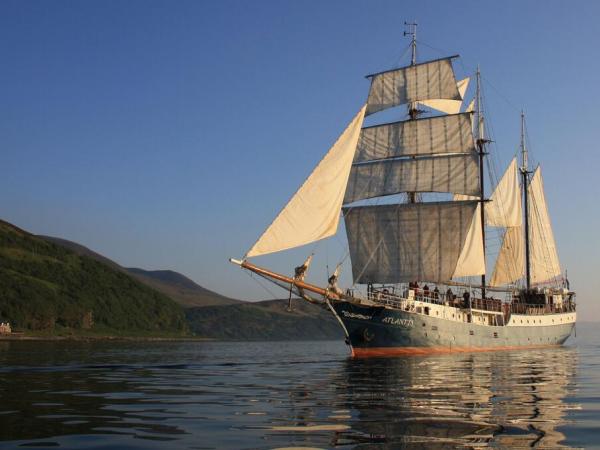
[399, 351]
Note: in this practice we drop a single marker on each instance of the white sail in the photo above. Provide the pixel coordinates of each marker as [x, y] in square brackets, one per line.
[449, 106]
[444, 173]
[544, 264]
[432, 135]
[429, 80]
[471, 261]
[313, 213]
[504, 207]
[510, 263]
[407, 242]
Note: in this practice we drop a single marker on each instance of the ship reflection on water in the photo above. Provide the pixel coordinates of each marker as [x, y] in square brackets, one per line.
[288, 394]
[512, 399]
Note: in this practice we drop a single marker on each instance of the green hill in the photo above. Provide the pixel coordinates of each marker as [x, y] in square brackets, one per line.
[173, 284]
[267, 320]
[47, 287]
[52, 285]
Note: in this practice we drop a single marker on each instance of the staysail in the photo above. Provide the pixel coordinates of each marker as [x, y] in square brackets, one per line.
[313, 213]
[510, 263]
[504, 207]
[425, 81]
[542, 248]
[471, 261]
[505, 210]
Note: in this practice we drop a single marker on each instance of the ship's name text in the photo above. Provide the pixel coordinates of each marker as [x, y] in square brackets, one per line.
[356, 316]
[407, 323]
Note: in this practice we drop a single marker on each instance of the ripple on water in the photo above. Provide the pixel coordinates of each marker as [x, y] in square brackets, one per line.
[293, 395]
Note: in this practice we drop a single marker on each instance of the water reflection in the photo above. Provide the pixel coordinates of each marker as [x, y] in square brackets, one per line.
[511, 399]
[274, 395]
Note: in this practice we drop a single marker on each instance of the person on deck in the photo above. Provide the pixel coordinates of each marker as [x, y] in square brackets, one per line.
[466, 297]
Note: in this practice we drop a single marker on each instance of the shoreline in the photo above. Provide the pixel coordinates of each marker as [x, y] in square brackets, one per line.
[24, 337]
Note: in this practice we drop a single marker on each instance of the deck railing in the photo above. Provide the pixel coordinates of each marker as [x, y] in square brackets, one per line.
[495, 305]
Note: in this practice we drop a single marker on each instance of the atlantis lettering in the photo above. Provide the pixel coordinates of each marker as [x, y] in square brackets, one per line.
[407, 323]
[356, 316]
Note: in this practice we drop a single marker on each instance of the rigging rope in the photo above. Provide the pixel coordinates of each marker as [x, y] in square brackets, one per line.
[261, 284]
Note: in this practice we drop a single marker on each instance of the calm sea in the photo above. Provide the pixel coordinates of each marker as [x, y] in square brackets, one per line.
[294, 394]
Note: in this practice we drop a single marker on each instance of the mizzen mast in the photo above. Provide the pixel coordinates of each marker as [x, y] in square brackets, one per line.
[524, 173]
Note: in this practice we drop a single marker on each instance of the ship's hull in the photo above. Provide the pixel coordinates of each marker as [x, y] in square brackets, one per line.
[379, 331]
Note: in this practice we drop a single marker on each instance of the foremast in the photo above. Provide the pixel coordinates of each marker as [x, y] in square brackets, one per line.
[413, 110]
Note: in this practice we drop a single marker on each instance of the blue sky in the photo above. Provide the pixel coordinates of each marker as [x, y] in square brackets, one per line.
[169, 134]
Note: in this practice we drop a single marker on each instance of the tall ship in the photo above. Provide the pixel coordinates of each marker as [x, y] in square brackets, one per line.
[416, 206]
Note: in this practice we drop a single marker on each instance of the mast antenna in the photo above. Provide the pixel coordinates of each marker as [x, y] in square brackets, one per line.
[412, 31]
[523, 147]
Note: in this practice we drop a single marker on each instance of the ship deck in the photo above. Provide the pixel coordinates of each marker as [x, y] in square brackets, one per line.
[492, 312]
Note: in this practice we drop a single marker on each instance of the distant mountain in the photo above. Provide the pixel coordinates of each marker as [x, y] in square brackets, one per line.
[266, 320]
[177, 286]
[49, 288]
[180, 288]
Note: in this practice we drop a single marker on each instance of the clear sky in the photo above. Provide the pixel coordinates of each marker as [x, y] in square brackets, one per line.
[169, 134]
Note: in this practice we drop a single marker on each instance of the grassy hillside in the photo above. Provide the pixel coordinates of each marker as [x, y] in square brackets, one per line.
[268, 320]
[173, 284]
[209, 314]
[47, 287]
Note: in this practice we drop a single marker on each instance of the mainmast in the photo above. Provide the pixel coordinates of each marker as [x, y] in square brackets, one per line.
[524, 173]
[481, 141]
[413, 111]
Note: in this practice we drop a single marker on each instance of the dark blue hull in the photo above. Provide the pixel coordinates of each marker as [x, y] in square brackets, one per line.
[379, 330]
